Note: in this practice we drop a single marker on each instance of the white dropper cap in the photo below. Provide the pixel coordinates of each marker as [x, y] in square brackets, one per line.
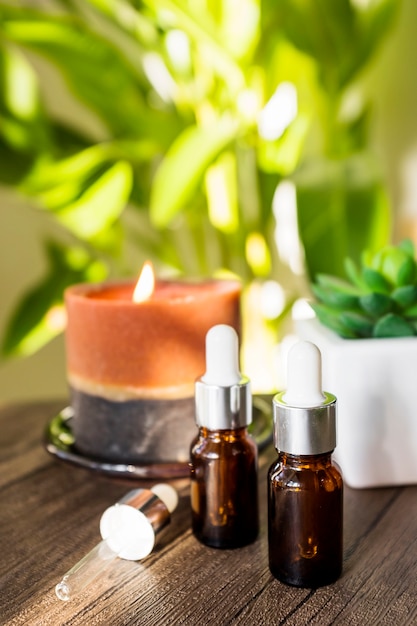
[304, 415]
[304, 387]
[222, 395]
[222, 357]
[128, 530]
[131, 531]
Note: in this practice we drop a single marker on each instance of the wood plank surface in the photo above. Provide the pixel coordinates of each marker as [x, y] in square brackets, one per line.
[49, 515]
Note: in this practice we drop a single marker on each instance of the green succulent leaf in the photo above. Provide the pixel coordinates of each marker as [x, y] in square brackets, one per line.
[407, 272]
[405, 296]
[376, 304]
[331, 318]
[392, 325]
[375, 281]
[353, 273]
[337, 284]
[359, 324]
[410, 311]
[393, 263]
[337, 299]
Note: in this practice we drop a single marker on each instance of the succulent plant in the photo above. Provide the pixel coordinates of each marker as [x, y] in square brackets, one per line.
[379, 299]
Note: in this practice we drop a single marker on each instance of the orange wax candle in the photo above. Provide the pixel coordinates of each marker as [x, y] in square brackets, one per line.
[132, 366]
[119, 348]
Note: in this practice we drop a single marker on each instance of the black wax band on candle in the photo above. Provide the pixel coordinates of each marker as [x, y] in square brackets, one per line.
[148, 430]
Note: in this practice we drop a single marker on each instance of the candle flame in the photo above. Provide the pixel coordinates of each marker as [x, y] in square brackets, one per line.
[146, 283]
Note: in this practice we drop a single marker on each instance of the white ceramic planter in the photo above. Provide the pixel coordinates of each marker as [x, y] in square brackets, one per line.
[375, 382]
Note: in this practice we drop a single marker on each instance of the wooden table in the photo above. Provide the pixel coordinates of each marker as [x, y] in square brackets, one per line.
[49, 514]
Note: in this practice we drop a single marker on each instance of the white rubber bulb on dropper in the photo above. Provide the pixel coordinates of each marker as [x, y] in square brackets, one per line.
[222, 357]
[304, 386]
[167, 494]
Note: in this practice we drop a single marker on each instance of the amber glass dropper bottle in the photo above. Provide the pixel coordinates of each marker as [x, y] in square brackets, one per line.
[305, 500]
[224, 498]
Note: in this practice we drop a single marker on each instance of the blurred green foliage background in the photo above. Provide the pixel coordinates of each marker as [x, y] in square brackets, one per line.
[202, 120]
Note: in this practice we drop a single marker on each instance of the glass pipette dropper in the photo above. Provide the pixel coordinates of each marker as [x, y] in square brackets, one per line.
[128, 530]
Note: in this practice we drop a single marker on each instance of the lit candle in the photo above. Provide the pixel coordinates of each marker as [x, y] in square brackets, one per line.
[133, 355]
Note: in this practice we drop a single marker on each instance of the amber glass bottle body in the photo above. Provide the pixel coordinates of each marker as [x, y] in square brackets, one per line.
[224, 497]
[305, 517]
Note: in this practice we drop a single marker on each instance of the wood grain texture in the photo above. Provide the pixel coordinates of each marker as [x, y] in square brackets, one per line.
[49, 514]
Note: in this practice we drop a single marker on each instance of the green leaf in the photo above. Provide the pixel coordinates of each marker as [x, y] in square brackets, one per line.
[29, 328]
[127, 18]
[337, 284]
[221, 193]
[325, 30]
[14, 165]
[407, 272]
[101, 204]
[410, 312]
[375, 281]
[337, 299]
[60, 432]
[392, 325]
[374, 23]
[340, 212]
[197, 22]
[61, 195]
[331, 318]
[51, 174]
[20, 85]
[22, 123]
[394, 264]
[282, 155]
[94, 67]
[39, 315]
[359, 324]
[405, 296]
[322, 30]
[184, 165]
[376, 304]
[57, 183]
[353, 273]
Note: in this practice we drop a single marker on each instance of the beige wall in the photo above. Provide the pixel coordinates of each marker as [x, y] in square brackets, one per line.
[21, 264]
[393, 80]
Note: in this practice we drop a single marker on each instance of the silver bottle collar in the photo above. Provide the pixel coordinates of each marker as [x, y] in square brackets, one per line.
[223, 408]
[305, 431]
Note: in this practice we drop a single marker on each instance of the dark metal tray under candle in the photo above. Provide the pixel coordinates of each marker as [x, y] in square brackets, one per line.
[60, 442]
